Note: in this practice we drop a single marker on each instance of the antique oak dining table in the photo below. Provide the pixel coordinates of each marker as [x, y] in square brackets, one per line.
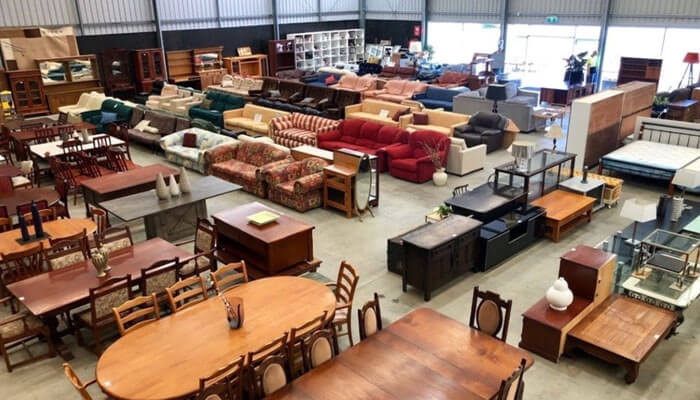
[424, 355]
[56, 229]
[166, 358]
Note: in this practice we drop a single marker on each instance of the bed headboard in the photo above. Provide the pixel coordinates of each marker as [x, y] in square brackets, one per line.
[679, 133]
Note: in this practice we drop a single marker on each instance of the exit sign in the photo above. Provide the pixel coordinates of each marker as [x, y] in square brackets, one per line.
[552, 19]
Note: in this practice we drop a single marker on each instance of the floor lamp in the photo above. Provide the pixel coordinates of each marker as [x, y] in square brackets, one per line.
[690, 59]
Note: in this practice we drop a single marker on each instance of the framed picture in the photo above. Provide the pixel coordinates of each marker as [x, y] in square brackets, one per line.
[244, 51]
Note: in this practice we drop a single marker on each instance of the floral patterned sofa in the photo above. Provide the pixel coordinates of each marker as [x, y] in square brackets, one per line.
[245, 162]
[300, 129]
[298, 185]
[192, 157]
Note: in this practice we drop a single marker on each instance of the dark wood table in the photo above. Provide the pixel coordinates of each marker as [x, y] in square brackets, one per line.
[51, 293]
[563, 94]
[20, 136]
[173, 218]
[8, 170]
[23, 196]
[97, 190]
[283, 247]
[622, 331]
[424, 355]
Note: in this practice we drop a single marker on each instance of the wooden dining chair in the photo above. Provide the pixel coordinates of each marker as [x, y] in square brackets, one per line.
[109, 294]
[512, 388]
[100, 148]
[344, 290]
[159, 276]
[121, 131]
[204, 242]
[297, 336]
[77, 383]
[490, 314]
[229, 276]
[369, 318]
[225, 384]
[460, 190]
[319, 348]
[118, 160]
[136, 313]
[44, 135]
[22, 264]
[267, 369]
[64, 130]
[186, 292]
[70, 174]
[61, 206]
[99, 217]
[197, 264]
[26, 208]
[116, 238]
[5, 224]
[64, 253]
[45, 215]
[17, 330]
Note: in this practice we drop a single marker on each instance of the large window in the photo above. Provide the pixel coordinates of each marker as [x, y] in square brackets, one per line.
[536, 54]
[455, 43]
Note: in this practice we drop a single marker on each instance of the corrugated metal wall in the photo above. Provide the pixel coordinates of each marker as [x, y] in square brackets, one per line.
[681, 13]
[178, 15]
[487, 11]
[570, 12]
[245, 12]
[108, 17]
[338, 10]
[408, 10]
[37, 13]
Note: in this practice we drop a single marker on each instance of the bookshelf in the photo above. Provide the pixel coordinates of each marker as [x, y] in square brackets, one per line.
[280, 55]
[313, 50]
[639, 69]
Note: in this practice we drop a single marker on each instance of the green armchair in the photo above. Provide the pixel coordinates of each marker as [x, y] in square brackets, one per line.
[110, 106]
[215, 113]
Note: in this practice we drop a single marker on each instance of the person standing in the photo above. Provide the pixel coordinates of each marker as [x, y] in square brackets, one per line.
[592, 64]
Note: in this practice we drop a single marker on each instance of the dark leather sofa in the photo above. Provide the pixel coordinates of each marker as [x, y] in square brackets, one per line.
[483, 128]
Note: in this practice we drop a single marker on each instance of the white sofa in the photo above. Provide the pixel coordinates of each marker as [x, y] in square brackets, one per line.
[462, 160]
[192, 157]
[86, 102]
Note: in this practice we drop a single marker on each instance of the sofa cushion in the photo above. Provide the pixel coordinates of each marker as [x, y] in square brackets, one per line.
[188, 153]
[387, 135]
[399, 113]
[373, 117]
[524, 100]
[395, 86]
[206, 104]
[370, 144]
[189, 140]
[348, 81]
[420, 119]
[369, 131]
[237, 169]
[407, 164]
[348, 139]
[108, 117]
[352, 127]
[511, 90]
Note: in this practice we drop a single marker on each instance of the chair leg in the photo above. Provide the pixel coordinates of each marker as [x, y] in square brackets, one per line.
[96, 338]
[6, 357]
[350, 331]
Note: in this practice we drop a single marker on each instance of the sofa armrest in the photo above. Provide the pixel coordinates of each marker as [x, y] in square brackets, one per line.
[353, 108]
[238, 112]
[262, 170]
[309, 183]
[530, 93]
[327, 136]
[405, 120]
[419, 96]
[491, 132]
[398, 152]
[92, 116]
[225, 152]
[374, 93]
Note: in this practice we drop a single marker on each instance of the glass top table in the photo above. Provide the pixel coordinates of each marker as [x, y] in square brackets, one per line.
[539, 175]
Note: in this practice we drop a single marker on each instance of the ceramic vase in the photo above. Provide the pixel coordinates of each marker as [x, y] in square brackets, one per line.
[559, 296]
[174, 187]
[100, 259]
[185, 185]
[161, 188]
[440, 177]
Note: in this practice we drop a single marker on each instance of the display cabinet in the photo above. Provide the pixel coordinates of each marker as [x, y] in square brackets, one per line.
[281, 55]
[538, 175]
[28, 92]
[117, 74]
[314, 50]
[66, 78]
[148, 68]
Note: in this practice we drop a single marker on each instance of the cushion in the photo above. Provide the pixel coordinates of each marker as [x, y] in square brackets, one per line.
[420, 119]
[274, 93]
[399, 113]
[141, 125]
[330, 80]
[151, 129]
[189, 140]
[406, 164]
[307, 100]
[108, 117]
[206, 104]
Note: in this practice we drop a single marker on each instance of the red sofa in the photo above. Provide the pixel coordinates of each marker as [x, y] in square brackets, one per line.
[365, 136]
[411, 162]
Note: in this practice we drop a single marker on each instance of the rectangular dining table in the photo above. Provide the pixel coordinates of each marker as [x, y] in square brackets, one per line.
[55, 148]
[19, 136]
[424, 355]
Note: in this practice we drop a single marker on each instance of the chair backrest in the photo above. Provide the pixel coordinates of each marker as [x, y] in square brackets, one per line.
[44, 135]
[187, 292]
[297, 336]
[117, 159]
[99, 217]
[229, 276]
[5, 224]
[65, 131]
[459, 190]
[511, 386]
[109, 294]
[72, 146]
[370, 318]
[116, 238]
[204, 236]
[3, 212]
[76, 382]
[22, 264]
[224, 384]
[268, 373]
[490, 314]
[88, 164]
[27, 207]
[277, 346]
[159, 276]
[136, 313]
[82, 235]
[64, 253]
[346, 283]
[45, 215]
[101, 142]
[319, 348]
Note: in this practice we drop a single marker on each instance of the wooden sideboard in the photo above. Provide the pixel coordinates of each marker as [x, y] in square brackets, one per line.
[28, 92]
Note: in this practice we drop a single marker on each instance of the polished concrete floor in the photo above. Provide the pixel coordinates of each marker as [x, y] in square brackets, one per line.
[671, 372]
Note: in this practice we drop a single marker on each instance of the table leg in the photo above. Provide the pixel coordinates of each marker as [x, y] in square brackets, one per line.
[632, 371]
[59, 345]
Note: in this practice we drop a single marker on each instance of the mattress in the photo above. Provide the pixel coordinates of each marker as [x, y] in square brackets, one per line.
[651, 159]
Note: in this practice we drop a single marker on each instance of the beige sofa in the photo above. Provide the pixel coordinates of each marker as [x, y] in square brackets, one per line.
[371, 110]
[244, 118]
[237, 85]
[439, 121]
[462, 160]
[86, 102]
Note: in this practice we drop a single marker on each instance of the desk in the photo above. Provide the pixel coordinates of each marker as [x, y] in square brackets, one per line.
[283, 247]
[163, 360]
[97, 190]
[622, 331]
[565, 211]
[424, 355]
[172, 218]
[24, 196]
[55, 148]
[56, 229]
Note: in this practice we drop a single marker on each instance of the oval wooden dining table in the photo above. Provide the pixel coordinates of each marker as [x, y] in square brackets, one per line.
[56, 229]
[166, 358]
[23, 196]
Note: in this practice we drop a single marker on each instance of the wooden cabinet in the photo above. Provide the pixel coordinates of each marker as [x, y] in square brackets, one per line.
[66, 78]
[684, 110]
[637, 101]
[639, 69]
[148, 68]
[28, 92]
[116, 72]
[440, 252]
[252, 65]
[281, 55]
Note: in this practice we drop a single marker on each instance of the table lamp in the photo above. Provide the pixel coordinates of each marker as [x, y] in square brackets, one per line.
[554, 132]
[523, 152]
[496, 93]
[685, 178]
[690, 59]
[637, 211]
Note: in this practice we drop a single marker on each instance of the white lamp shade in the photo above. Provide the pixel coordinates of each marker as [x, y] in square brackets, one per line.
[638, 210]
[554, 132]
[687, 177]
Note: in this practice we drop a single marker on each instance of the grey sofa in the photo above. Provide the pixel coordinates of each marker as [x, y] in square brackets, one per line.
[519, 106]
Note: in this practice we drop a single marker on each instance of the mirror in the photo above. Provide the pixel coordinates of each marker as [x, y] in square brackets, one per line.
[363, 183]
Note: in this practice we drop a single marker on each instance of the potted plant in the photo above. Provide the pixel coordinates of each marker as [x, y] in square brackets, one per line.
[574, 68]
[444, 211]
[439, 176]
[660, 103]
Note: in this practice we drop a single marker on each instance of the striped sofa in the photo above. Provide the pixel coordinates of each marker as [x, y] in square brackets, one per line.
[299, 129]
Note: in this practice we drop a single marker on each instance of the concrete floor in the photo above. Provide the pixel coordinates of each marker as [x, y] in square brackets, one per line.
[669, 373]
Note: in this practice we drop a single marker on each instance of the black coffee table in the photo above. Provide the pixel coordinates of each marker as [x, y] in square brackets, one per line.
[488, 201]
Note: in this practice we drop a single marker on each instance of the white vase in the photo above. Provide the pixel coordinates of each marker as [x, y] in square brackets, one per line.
[174, 187]
[161, 188]
[440, 177]
[559, 296]
[185, 185]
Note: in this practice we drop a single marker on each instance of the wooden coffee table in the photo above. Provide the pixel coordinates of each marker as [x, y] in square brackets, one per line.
[608, 334]
[565, 211]
[282, 247]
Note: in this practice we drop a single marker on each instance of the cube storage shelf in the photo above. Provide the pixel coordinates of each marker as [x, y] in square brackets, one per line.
[313, 50]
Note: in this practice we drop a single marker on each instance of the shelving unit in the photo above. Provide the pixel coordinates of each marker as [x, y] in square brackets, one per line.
[639, 69]
[281, 55]
[313, 50]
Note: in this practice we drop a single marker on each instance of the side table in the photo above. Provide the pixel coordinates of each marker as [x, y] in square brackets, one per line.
[592, 188]
[337, 188]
